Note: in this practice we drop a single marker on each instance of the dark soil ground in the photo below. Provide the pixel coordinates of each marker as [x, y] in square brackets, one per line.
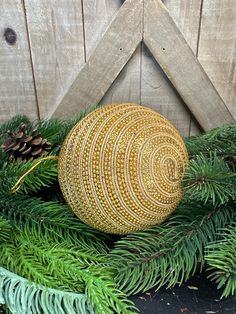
[197, 296]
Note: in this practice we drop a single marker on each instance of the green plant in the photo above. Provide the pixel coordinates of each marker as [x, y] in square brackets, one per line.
[221, 260]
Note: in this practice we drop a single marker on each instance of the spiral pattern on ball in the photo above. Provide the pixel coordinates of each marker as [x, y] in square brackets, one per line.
[120, 168]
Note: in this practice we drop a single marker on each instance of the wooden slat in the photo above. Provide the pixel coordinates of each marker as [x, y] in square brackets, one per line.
[126, 87]
[109, 57]
[217, 47]
[158, 93]
[16, 81]
[180, 65]
[187, 16]
[57, 45]
[97, 16]
[156, 89]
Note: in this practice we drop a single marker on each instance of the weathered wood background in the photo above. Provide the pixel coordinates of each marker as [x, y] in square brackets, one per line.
[55, 38]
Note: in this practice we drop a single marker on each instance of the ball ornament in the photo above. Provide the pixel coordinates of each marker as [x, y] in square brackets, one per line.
[121, 167]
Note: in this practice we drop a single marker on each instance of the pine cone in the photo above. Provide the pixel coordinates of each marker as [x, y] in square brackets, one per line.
[22, 146]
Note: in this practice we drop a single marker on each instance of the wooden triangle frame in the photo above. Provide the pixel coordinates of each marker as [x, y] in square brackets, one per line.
[150, 22]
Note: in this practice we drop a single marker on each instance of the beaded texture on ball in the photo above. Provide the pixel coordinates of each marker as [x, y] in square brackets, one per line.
[121, 167]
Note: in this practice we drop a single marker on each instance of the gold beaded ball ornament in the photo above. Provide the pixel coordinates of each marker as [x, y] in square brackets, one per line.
[120, 168]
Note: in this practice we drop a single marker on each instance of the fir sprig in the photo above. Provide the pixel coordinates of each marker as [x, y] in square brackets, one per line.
[44, 261]
[60, 265]
[209, 179]
[5, 230]
[167, 254]
[221, 140]
[51, 218]
[221, 260]
[44, 175]
[12, 125]
[23, 296]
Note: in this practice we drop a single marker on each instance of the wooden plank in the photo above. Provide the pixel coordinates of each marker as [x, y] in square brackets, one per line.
[126, 87]
[109, 57]
[217, 47]
[157, 91]
[186, 15]
[97, 16]
[182, 68]
[17, 95]
[57, 45]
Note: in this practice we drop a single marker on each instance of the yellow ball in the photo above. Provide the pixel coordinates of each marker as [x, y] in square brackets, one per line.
[120, 168]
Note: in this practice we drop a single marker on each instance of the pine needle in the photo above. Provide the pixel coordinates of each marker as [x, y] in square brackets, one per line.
[52, 218]
[209, 180]
[22, 297]
[221, 260]
[167, 254]
[5, 230]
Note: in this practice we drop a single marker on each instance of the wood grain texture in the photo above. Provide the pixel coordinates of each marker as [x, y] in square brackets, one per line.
[16, 79]
[57, 45]
[217, 47]
[182, 68]
[159, 94]
[107, 60]
[186, 15]
[156, 89]
[126, 87]
[97, 16]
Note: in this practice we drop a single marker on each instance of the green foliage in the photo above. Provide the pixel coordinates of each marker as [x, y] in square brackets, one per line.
[42, 240]
[110, 298]
[221, 260]
[221, 140]
[51, 218]
[167, 254]
[12, 125]
[42, 260]
[5, 230]
[43, 175]
[23, 297]
[209, 179]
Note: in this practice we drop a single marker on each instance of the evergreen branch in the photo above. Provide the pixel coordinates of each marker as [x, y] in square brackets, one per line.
[167, 254]
[43, 175]
[49, 128]
[63, 266]
[103, 288]
[209, 180]
[222, 140]
[22, 297]
[12, 125]
[51, 218]
[221, 259]
[5, 230]
[40, 259]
